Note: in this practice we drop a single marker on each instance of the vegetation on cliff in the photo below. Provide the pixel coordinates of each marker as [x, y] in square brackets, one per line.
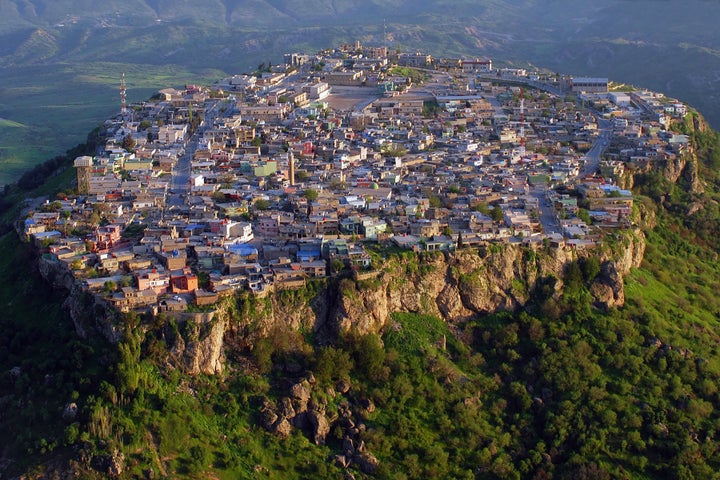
[554, 386]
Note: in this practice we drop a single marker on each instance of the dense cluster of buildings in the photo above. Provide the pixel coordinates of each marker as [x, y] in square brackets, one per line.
[268, 180]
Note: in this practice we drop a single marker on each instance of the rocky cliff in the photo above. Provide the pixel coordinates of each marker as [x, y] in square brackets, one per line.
[199, 346]
[453, 286]
[457, 286]
[90, 314]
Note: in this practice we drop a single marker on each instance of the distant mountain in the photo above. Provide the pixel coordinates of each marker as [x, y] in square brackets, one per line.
[653, 42]
[661, 45]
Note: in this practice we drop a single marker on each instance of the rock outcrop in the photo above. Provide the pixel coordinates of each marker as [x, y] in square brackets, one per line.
[306, 411]
[199, 346]
[90, 314]
[454, 286]
[457, 286]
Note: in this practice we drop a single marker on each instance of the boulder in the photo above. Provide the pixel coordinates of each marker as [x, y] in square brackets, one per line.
[343, 386]
[70, 411]
[348, 446]
[286, 409]
[268, 419]
[301, 421]
[116, 464]
[283, 428]
[342, 461]
[367, 463]
[300, 393]
[319, 427]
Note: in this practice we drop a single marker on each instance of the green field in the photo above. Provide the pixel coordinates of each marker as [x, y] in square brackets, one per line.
[44, 110]
[59, 82]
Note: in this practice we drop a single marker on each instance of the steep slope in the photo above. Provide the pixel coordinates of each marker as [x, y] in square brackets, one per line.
[410, 370]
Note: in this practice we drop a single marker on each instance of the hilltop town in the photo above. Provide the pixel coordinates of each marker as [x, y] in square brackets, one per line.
[319, 165]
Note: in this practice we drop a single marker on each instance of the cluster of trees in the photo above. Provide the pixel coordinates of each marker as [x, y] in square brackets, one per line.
[561, 390]
[558, 390]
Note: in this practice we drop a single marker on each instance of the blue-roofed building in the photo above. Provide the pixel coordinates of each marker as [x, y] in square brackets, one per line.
[309, 250]
[242, 251]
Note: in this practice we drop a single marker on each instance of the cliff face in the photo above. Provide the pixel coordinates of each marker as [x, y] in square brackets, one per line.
[453, 286]
[199, 348]
[686, 168]
[460, 285]
[89, 314]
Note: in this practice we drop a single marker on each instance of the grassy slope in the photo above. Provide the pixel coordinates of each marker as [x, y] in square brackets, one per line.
[678, 292]
[47, 109]
[427, 422]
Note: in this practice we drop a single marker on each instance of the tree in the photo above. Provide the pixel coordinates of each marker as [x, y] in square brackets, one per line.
[51, 207]
[261, 204]
[218, 196]
[331, 365]
[310, 194]
[337, 265]
[483, 208]
[128, 143]
[336, 184]
[369, 356]
[584, 215]
[390, 150]
[590, 268]
[109, 286]
[496, 214]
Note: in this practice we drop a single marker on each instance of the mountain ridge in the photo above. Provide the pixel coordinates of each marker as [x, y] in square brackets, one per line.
[648, 43]
[557, 389]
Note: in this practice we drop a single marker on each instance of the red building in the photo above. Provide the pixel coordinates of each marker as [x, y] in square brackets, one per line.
[183, 281]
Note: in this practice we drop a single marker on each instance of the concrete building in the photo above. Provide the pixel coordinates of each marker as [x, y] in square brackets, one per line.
[589, 85]
[477, 66]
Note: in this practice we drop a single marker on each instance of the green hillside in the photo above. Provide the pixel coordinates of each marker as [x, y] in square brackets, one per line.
[559, 389]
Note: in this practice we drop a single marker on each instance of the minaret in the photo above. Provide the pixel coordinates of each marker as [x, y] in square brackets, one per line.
[123, 96]
[291, 162]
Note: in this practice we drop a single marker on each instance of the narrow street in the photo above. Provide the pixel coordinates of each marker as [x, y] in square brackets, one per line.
[592, 157]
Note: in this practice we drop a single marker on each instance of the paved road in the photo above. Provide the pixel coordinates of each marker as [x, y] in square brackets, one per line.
[548, 218]
[592, 157]
[554, 90]
[180, 185]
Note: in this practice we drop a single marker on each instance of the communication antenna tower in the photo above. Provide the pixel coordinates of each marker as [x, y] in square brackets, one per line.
[123, 96]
